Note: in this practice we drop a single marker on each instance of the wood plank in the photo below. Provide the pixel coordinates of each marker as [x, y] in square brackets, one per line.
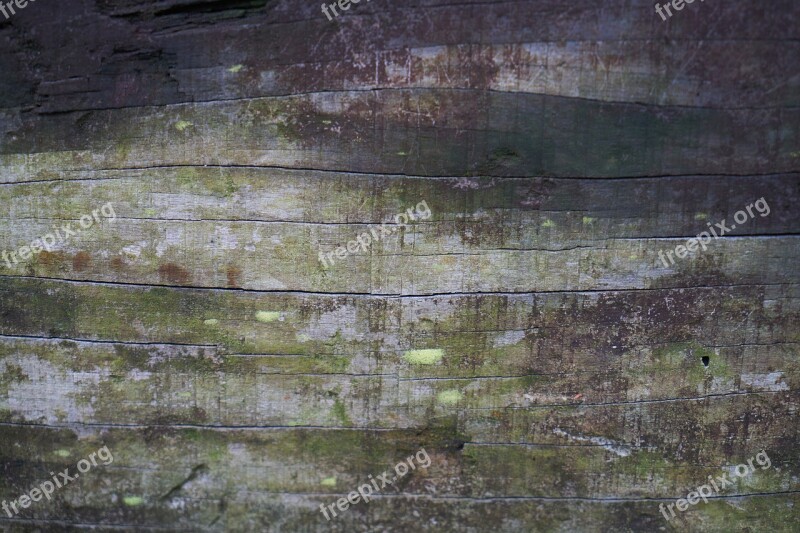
[167, 53]
[527, 335]
[287, 467]
[436, 132]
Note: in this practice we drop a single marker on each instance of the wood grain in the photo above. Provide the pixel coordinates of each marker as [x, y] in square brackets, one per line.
[570, 380]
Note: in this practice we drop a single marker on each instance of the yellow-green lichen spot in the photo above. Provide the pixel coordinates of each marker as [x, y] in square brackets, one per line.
[267, 316]
[449, 397]
[429, 356]
[132, 501]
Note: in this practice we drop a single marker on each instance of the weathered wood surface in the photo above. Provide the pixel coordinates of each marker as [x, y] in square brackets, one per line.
[560, 147]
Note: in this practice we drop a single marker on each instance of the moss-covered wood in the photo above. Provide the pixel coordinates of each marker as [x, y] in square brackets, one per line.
[527, 335]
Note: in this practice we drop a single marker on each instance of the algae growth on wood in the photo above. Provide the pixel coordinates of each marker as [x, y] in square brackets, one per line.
[529, 335]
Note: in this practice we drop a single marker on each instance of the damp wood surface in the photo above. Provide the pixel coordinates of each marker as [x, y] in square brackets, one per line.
[526, 334]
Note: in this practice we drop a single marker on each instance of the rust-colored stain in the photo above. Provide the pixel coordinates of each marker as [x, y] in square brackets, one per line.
[233, 276]
[117, 263]
[80, 261]
[50, 259]
[173, 273]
